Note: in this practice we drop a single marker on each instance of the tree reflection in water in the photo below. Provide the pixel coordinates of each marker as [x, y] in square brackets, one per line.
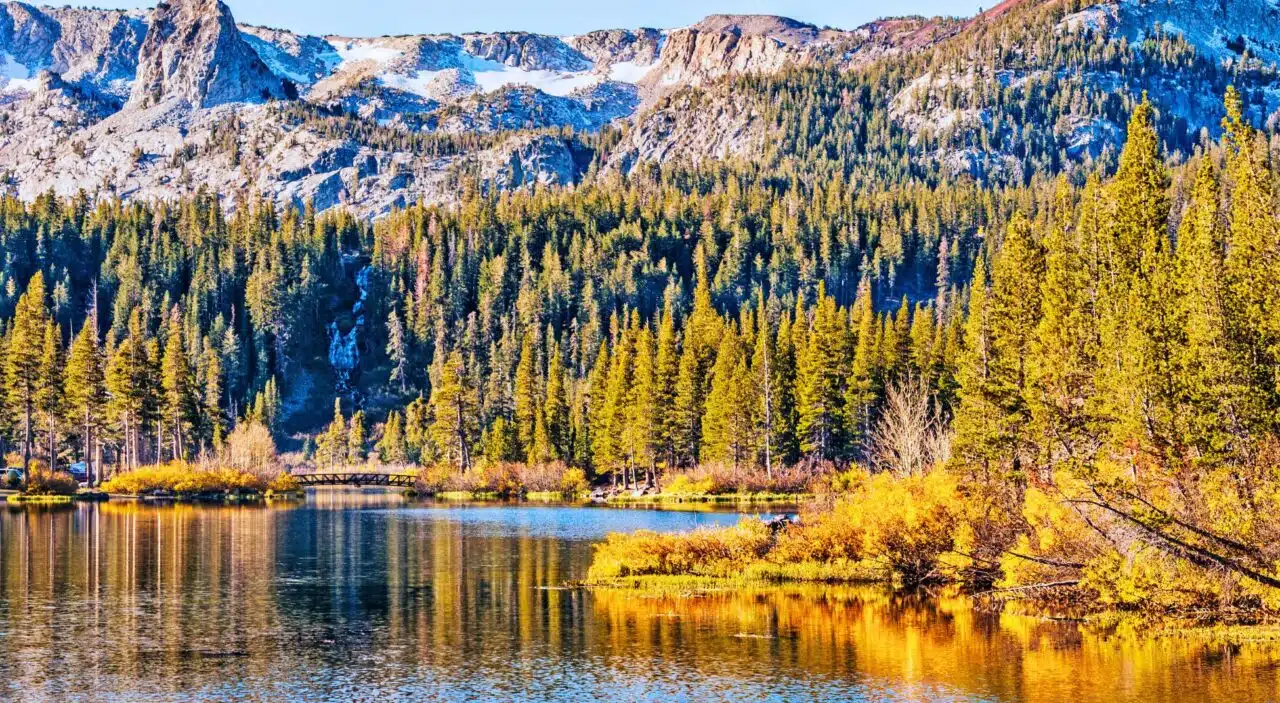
[354, 597]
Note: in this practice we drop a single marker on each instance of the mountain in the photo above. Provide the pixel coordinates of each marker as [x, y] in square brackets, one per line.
[152, 105]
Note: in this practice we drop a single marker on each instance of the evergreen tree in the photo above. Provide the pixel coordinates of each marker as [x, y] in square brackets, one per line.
[820, 383]
[398, 351]
[863, 386]
[357, 439]
[23, 359]
[391, 447]
[1223, 408]
[86, 395]
[179, 397]
[49, 390]
[214, 416]
[331, 449]
[641, 435]
[556, 411]
[455, 407]
[526, 395]
[666, 373]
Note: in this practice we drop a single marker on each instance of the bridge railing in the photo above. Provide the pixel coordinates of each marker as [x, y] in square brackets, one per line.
[355, 478]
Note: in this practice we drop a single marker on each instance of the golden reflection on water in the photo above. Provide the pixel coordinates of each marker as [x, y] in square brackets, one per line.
[923, 641]
[349, 597]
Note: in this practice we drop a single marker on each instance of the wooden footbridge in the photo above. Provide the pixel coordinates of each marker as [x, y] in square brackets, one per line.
[356, 478]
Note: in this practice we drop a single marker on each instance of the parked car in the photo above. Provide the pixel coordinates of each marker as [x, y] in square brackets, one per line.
[13, 477]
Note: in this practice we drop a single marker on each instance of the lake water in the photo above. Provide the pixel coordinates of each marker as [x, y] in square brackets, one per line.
[357, 597]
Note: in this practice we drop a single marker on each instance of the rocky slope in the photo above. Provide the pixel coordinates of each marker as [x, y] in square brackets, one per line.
[153, 104]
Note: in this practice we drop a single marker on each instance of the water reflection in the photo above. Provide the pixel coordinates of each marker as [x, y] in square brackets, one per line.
[359, 596]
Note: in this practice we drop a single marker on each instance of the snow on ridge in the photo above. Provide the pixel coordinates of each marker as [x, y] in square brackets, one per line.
[15, 76]
[630, 71]
[271, 56]
[356, 51]
[491, 76]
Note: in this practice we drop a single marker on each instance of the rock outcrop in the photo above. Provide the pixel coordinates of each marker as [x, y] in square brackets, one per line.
[194, 52]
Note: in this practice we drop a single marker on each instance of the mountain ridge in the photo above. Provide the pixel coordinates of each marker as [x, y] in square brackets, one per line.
[103, 121]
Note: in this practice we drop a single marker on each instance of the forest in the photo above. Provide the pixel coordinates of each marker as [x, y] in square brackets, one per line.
[1086, 362]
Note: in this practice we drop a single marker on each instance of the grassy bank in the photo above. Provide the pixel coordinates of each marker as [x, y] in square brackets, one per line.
[21, 499]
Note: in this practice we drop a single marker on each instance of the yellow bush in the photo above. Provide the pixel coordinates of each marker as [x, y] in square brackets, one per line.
[574, 482]
[906, 525]
[43, 482]
[721, 551]
[183, 478]
[684, 485]
[284, 483]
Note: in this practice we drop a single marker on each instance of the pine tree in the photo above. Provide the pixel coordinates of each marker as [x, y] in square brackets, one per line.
[1141, 330]
[1223, 408]
[595, 439]
[214, 416]
[728, 427]
[179, 398]
[820, 383]
[864, 379]
[398, 351]
[23, 359]
[666, 373]
[86, 395]
[701, 339]
[455, 407]
[609, 449]
[641, 435]
[331, 449]
[127, 369]
[391, 447]
[1066, 344]
[526, 395]
[357, 439]
[764, 381]
[1252, 264]
[556, 412]
[1016, 277]
[49, 398]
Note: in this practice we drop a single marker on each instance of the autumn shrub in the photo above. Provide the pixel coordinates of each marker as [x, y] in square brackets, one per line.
[183, 478]
[284, 483]
[543, 477]
[573, 483]
[686, 485]
[723, 551]
[250, 448]
[887, 527]
[901, 526]
[500, 478]
[722, 479]
[43, 482]
[1076, 554]
[433, 478]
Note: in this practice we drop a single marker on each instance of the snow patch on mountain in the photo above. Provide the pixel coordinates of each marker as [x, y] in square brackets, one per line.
[14, 76]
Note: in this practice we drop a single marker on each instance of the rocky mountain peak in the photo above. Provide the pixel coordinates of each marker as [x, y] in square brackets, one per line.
[194, 52]
[782, 28]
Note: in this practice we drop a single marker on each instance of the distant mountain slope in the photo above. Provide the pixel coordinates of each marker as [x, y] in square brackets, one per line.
[155, 104]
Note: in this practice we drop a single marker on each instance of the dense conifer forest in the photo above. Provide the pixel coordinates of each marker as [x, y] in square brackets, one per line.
[1084, 346]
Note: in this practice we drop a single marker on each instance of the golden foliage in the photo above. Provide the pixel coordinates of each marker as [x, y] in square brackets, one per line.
[704, 552]
[183, 478]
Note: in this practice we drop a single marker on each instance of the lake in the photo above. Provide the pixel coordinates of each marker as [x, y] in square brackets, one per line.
[366, 597]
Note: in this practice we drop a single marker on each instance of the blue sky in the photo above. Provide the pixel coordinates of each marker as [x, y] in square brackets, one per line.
[376, 17]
